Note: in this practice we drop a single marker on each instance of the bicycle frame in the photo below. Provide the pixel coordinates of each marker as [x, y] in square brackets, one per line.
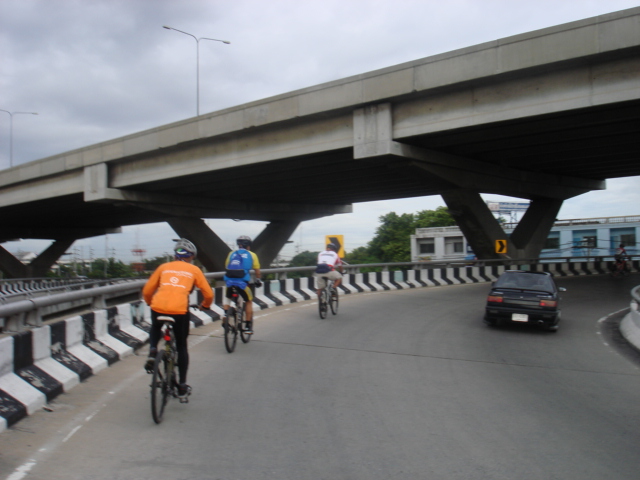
[164, 383]
[236, 319]
[328, 298]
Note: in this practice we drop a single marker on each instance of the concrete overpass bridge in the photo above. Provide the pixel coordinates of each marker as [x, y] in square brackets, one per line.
[545, 116]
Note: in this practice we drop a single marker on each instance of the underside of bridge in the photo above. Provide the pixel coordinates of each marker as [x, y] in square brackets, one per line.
[543, 116]
[532, 160]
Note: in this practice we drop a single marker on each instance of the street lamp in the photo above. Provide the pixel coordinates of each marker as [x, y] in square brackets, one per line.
[197, 61]
[11, 114]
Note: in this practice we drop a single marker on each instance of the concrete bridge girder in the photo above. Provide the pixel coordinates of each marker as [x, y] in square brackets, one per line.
[373, 130]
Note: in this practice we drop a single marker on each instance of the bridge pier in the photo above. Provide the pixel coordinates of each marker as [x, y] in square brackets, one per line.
[14, 268]
[481, 229]
[212, 251]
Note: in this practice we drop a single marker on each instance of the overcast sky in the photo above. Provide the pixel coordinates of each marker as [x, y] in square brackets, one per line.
[95, 70]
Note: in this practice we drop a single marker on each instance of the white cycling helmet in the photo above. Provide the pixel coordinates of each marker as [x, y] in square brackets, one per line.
[243, 241]
[184, 248]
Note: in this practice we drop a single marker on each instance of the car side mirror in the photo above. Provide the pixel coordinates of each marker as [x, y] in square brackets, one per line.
[562, 289]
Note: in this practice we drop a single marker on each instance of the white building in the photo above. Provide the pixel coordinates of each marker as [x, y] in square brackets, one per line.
[592, 237]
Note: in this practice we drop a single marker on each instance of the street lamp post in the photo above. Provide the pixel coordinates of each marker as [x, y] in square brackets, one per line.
[197, 60]
[11, 114]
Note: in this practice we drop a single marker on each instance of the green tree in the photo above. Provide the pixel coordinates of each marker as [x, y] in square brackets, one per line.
[391, 242]
[440, 217]
[151, 264]
[303, 259]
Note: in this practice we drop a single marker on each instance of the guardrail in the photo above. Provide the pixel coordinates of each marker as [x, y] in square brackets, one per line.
[34, 308]
[634, 306]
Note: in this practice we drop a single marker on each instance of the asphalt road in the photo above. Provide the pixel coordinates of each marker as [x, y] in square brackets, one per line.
[399, 385]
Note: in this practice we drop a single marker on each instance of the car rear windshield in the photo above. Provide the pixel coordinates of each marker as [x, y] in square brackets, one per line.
[525, 281]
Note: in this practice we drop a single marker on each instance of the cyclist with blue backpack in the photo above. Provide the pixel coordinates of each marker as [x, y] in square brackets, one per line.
[238, 267]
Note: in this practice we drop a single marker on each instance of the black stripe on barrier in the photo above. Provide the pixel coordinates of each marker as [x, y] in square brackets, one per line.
[559, 270]
[405, 278]
[380, 282]
[584, 268]
[197, 322]
[365, 280]
[483, 274]
[351, 282]
[393, 282]
[298, 288]
[445, 276]
[432, 277]
[417, 275]
[113, 328]
[599, 268]
[137, 316]
[457, 276]
[24, 368]
[218, 296]
[11, 409]
[60, 354]
[267, 293]
[283, 291]
[90, 340]
[22, 350]
[42, 381]
[470, 275]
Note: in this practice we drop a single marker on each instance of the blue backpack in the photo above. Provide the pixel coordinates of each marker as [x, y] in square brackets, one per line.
[237, 272]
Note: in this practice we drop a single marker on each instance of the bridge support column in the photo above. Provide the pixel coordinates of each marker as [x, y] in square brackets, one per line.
[533, 229]
[11, 266]
[481, 229]
[212, 251]
[39, 267]
[477, 223]
[270, 241]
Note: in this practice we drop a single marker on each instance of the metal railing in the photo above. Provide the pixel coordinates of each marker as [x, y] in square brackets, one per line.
[31, 309]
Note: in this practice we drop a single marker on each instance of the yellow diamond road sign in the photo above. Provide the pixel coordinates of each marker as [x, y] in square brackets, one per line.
[501, 246]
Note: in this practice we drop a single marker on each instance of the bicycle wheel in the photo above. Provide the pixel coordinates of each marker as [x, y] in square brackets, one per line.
[159, 388]
[322, 304]
[243, 324]
[231, 333]
[333, 301]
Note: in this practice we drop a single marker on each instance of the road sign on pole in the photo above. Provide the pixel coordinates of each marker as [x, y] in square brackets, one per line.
[501, 246]
[338, 241]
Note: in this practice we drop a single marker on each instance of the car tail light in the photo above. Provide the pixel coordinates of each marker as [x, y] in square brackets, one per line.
[494, 299]
[548, 303]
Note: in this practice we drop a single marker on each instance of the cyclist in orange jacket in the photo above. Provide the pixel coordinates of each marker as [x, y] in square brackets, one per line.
[167, 293]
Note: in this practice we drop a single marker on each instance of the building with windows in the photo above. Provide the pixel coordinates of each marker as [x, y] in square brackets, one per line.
[584, 237]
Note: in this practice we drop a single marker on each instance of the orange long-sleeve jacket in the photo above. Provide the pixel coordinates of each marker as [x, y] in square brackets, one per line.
[167, 290]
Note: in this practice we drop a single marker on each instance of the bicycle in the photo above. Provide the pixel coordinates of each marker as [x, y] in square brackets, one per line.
[620, 268]
[328, 299]
[236, 319]
[163, 382]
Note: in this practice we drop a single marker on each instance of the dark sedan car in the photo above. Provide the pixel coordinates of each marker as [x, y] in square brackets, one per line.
[525, 297]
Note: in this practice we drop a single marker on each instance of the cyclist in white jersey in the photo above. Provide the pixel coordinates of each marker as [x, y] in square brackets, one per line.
[328, 261]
